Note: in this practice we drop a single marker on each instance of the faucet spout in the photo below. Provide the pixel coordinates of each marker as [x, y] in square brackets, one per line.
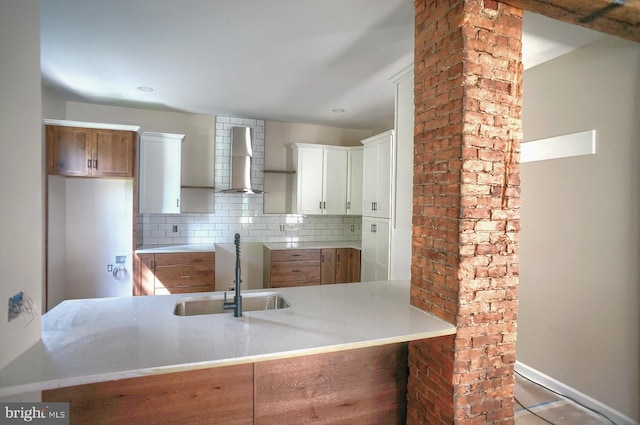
[236, 305]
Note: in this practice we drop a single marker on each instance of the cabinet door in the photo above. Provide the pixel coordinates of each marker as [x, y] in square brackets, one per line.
[68, 151]
[354, 181]
[309, 181]
[159, 190]
[354, 265]
[370, 179]
[384, 164]
[328, 266]
[113, 153]
[334, 190]
[146, 279]
[382, 232]
[375, 249]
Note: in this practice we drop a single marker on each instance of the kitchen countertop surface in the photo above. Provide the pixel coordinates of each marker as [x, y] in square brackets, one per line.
[195, 247]
[313, 245]
[104, 339]
[209, 247]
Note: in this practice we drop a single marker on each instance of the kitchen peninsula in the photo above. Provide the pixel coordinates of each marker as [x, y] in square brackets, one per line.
[89, 342]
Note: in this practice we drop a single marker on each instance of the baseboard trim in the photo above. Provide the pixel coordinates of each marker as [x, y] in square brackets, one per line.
[562, 388]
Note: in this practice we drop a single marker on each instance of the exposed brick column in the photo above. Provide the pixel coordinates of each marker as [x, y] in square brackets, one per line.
[466, 221]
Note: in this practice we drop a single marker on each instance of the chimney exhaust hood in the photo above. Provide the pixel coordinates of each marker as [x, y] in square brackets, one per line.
[241, 153]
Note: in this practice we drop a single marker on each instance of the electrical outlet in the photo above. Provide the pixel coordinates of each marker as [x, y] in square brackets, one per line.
[175, 228]
[121, 259]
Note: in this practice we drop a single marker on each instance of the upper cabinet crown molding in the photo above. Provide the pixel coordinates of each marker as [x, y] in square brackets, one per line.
[94, 125]
[403, 74]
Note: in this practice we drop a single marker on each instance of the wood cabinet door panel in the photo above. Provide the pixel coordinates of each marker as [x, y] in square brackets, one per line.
[363, 386]
[184, 258]
[342, 265]
[295, 255]
[113, 153]
[220, 395]
[354, 265]
[328, 267]
[68, 150]
[146, 279]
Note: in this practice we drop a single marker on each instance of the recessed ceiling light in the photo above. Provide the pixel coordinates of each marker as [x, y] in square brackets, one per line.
[145, 88]
[338, 110]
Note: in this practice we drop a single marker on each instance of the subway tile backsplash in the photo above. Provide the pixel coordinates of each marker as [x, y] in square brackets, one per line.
[242, 213]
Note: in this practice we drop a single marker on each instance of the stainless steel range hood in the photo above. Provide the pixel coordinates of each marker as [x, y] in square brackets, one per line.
[241, 153]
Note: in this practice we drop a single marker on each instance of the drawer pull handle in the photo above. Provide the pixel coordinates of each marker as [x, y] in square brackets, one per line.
[185, 276]
[296, 271]
[295, 255]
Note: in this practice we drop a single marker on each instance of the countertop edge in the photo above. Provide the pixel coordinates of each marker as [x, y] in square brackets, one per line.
[138, 373]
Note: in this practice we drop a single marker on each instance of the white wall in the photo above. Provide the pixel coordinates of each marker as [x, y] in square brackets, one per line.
[99, 227]
[580, 241]
[21, 172]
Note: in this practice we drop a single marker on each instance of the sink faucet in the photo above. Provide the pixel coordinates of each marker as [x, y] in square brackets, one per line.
[236, 305]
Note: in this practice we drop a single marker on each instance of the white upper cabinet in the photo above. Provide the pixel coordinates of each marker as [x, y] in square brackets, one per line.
[159, 173]
[320, 186]
[378, 175]
[354, 181]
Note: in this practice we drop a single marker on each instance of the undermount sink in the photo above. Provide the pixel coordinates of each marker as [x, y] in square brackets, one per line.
[213, 304]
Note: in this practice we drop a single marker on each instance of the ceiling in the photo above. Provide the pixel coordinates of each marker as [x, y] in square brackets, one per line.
[285, 60]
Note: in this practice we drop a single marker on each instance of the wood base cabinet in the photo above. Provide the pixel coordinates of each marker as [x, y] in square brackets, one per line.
[351, 387]
[305, 267]
[175, 273]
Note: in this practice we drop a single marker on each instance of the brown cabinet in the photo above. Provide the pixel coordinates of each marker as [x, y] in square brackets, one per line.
[90, 152]
[304, 267]
[175, 273]
[293, 267]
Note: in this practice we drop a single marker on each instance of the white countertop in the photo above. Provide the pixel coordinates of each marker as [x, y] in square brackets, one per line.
[95, 340]
[209, 247]
[313, 245]
[194, 247]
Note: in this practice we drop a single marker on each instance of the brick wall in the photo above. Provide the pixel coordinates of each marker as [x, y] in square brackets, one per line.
[468, 95]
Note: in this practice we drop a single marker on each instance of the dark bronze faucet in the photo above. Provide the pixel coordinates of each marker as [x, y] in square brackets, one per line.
[236, 305]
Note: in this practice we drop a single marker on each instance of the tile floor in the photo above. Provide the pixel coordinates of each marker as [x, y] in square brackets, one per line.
[550, 408]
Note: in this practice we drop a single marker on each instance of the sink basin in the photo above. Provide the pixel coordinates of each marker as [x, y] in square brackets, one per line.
[213, 304]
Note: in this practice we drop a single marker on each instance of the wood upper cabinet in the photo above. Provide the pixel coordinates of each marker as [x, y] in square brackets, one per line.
[90, 152]
[175, 273]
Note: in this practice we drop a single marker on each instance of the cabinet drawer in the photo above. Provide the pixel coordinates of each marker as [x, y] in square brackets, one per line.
[183, 289]
[184, 258]
[179, 276]
[289, 284]
[295, 271]
[295, 255]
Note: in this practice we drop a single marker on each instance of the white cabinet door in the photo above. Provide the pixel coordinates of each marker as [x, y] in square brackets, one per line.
[334, 182]
[308, 187]
[378, 175]
[159, 173]
[383, 202]
[370, 179]
[375, 249]
[354, 181]
[320, 185]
